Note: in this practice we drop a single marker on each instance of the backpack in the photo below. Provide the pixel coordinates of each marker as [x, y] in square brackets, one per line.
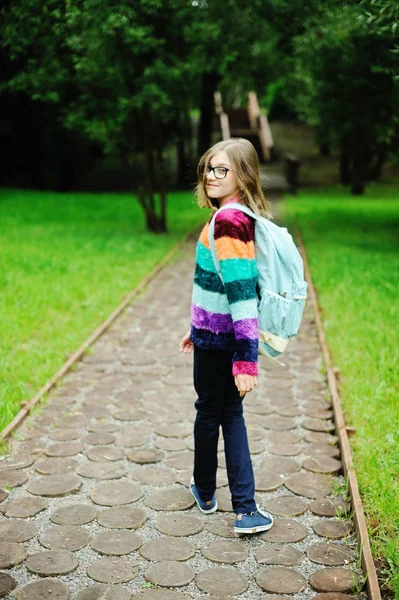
[281, 287]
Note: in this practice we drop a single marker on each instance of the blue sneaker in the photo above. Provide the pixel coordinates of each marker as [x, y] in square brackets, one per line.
[254, 522]
[205, 507]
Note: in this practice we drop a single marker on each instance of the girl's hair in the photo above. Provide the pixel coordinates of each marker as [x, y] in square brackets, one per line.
[245, 162]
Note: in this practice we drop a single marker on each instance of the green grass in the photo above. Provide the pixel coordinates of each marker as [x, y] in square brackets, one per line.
[352, 246]
[67, 260]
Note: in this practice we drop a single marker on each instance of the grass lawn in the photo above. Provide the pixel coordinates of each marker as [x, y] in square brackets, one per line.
[352, 245]
[67, 260]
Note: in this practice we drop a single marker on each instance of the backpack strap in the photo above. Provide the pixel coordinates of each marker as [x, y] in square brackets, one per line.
[211, 231]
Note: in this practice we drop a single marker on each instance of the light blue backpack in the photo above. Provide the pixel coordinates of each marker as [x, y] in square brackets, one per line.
[282, 288]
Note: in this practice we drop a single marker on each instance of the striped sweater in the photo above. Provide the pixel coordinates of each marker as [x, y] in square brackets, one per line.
[224, 316]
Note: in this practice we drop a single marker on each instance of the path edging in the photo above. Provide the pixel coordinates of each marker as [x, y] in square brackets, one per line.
[77, 355]
[368, 565]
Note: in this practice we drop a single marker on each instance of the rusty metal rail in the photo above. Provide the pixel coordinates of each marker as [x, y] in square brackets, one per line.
[367, 561]
[76, 356]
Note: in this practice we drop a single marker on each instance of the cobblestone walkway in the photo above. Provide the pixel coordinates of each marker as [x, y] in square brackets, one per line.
[95, 502]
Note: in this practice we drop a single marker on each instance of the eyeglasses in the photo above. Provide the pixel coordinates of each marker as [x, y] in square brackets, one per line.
[219, 172]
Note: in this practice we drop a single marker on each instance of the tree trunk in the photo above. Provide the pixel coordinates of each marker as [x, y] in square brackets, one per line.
[344, 162]
[325, 149]
[209, 84]
[360, 157]
[375, 170]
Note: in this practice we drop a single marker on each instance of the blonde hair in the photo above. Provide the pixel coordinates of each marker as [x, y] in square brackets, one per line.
[245, 162]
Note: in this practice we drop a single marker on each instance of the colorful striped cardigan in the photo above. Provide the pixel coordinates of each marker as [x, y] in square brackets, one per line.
[224, 315]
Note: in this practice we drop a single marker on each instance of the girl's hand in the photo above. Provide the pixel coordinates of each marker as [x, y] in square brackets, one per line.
[186, 344]
[245, 383]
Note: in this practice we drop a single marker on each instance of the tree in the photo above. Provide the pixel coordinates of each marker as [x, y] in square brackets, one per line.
[346, 83]
[118, 73]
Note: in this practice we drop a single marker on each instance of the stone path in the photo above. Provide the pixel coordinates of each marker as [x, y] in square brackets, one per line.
[95, 502]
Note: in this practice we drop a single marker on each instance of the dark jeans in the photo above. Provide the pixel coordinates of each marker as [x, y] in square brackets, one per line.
[219, 404]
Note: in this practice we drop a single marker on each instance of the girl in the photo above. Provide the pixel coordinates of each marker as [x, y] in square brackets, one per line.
[224, 329]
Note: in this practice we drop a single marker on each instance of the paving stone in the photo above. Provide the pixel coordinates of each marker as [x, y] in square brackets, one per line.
[310, 485]
[222, 525]
[64, 449]
[49, 563]
[225, 552]
[319, 413]
[134, 414]
[330, 507]
[22, 508]
[11, 479]
[3, 495]
[7, 583]
[116, 543]
[166, 548]
[316, 437]
[285, 531]
[102, 470]
[122, 517]
[98, 439]
[10, 554]
[280, 465]
[112, 570]
[17, 531]
[170, 499]
[279, 423]
[285, 449]
[330, 554]
[64, 435]
[46, 589]
[13, 463]
[173, 444]
[283, 437]
[333, 579]
[34, 433]
[145, 456]
[255, 434]
[65, 537]
[105, 453]
[223, 496]
[181, 460]
[158, 594]
[102, 591]
[322, 464]
[169, 573]
[322, 449]
[154, 475]
[129, 440]
[332, 596]
[73, 422]
[259, 409]
[256, 447]
[220, 580]
[286, 506]
[221, 478]
[318, 425]
[179, 524]
[333, 529]
[276, 554]
[115, 493]
[55, 466]
[174, 430]
[54, 485]
[281, 580]
[184, 477]
[74, 514]
[103, 427]
[32, 446]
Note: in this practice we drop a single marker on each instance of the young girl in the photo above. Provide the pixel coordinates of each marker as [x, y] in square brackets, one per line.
[224, 329]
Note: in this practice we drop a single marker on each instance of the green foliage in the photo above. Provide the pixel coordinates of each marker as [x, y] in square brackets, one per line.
[353, 254]
[67, 261]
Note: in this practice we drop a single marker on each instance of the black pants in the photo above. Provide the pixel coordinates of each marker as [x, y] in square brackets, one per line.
[219, 404]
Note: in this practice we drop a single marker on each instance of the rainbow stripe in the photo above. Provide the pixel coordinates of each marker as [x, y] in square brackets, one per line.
[224, 316]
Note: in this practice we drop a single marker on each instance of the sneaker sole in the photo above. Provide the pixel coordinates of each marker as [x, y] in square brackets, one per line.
[205, 512]
[253, 529]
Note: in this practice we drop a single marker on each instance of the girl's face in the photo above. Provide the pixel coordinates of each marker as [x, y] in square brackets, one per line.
[221, 183]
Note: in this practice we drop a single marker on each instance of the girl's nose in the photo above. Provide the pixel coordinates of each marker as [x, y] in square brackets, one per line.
[211, 175]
